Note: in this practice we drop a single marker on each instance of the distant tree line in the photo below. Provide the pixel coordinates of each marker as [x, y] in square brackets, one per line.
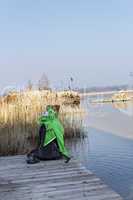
[104, 89]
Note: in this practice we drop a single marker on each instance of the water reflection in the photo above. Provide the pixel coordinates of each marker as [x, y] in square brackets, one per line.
[110, 157]
[79, 148]
[125, 107]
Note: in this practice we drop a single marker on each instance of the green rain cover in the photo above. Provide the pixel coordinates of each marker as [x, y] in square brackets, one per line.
[54, 130]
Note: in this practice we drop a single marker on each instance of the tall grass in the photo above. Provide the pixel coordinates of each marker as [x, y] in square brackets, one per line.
[19, 120]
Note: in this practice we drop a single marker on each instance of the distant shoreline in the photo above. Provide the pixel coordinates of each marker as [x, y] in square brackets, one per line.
[103, 93]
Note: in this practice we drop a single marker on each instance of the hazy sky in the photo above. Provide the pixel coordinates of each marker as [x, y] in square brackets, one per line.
[91, 40]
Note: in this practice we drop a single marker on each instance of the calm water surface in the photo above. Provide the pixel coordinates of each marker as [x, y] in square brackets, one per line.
[108, 150]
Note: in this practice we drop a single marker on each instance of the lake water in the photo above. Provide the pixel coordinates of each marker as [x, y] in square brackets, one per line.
[108, 148]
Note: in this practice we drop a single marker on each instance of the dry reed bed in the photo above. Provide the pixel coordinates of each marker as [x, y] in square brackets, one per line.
[19, 117]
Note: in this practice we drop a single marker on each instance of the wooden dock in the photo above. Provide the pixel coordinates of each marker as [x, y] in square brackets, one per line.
[51, 180]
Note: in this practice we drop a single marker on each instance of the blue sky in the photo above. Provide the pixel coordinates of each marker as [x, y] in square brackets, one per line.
[89, 40]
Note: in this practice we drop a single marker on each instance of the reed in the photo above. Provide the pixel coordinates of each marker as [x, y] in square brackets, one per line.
[19, 119]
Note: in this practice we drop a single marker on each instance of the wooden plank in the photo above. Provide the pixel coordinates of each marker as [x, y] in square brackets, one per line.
[50, 180]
